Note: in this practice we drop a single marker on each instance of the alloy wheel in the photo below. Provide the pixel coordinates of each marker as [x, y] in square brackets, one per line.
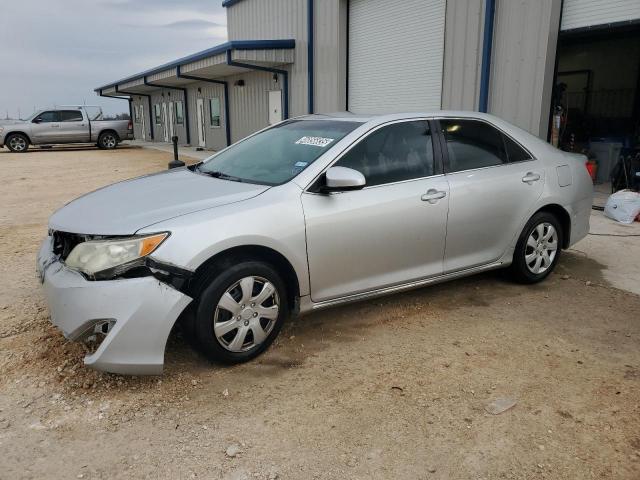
[246, 314]
[541, 248]
[109, 141]
[17, 144]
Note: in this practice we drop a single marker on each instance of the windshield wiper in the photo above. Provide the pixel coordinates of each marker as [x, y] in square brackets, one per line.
[220, 175]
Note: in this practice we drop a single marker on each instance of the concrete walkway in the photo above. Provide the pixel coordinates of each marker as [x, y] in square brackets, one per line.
[191, 152]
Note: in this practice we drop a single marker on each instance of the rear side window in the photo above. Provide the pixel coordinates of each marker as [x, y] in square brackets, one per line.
[472, 144]
[70, 115]
[515, 153]
[47, 117]
[397, 152]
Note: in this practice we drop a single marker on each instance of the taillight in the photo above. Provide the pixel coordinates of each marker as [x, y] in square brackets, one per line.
[130, 125]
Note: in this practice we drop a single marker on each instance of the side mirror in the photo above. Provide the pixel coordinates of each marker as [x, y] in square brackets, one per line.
[338, 179]
[36, 120]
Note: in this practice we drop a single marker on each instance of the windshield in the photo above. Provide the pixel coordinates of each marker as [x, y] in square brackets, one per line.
[278, 154]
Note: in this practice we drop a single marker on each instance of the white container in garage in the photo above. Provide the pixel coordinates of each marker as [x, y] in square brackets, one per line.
[606, 154]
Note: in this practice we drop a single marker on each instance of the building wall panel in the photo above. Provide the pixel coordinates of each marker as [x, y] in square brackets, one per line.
[330, 46]
[464, 30]
[273, 20]
[523, 59]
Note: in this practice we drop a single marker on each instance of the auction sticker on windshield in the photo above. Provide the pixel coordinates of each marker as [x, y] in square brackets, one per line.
[315, 141]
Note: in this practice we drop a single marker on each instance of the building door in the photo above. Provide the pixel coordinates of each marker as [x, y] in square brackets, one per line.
[589, 13]
[143, 124]
[165, 123]
[275, 106]
[403, 72]
[202, 140]
[172, 121]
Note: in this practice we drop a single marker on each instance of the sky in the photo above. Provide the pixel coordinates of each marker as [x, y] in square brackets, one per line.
[55, 52]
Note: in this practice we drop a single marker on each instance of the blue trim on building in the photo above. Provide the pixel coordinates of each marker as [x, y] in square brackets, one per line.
[310, 35]
[186, 104]
[230, 3]
[218, 49]
[284, 73]
[487, 45]
[148, 102]
[227, 117]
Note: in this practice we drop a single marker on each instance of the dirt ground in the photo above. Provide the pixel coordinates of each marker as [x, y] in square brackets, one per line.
[393, 388]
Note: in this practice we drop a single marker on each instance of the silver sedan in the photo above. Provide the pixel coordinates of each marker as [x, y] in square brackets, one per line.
[310, 213]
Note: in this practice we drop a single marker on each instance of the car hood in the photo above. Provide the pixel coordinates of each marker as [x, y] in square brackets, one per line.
[125, 207]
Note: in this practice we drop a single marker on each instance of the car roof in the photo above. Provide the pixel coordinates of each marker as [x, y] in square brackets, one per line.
[386, 117]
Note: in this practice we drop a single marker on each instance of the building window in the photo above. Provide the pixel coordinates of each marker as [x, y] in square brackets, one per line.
[156, 114]
[136, 113]
[214, 112]
[179, 113]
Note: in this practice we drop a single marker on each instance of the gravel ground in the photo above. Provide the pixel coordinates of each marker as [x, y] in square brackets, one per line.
[393, 388]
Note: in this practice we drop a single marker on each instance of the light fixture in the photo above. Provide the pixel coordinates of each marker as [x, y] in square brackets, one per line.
[239, 83]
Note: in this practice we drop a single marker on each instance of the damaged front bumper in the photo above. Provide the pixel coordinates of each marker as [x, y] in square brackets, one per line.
[134, 314]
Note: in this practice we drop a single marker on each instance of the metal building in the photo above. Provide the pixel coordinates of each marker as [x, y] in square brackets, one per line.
[290, 57]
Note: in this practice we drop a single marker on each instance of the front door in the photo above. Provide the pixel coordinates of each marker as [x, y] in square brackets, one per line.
[389, 233]
[45, 128]
[165, 123]
[494, 185]
[172, 121]
[201, 125]
[275, 106]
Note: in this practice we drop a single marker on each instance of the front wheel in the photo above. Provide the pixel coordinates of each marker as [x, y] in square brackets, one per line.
[17, 143]
[241, 312]
[538, 249]
[107, 141]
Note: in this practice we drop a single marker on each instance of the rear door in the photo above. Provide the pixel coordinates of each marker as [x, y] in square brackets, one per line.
[494, 183]
[73, 126]
[46, 128]
[392, 231]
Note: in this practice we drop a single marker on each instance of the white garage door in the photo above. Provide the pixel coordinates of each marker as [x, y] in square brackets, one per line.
[396, 52]
[588, 13]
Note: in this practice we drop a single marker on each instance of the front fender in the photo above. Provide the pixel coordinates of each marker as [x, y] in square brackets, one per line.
[273, 220]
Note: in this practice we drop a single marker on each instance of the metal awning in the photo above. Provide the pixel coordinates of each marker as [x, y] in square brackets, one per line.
[217, 62]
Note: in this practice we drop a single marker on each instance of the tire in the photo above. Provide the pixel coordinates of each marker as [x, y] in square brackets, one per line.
[215, 315]
[17, 143]
[538, 249]
[108, 140]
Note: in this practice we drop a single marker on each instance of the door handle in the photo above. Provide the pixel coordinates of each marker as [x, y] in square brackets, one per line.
[530, 177]
[433, 195]
[55, 125]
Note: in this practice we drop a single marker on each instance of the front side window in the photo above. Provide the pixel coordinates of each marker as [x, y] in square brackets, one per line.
[179, 113]
[472, 144]
[47, 117]
[278, 154]
[397, 152]
[214, 112]
[156, 113]
[70, 116]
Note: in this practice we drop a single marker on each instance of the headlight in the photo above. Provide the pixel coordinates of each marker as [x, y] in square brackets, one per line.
[1, 129]
[96, 256]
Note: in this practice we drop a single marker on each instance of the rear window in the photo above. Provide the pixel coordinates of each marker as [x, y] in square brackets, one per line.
[278, 154]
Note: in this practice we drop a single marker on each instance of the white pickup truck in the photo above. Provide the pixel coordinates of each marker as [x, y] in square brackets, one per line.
[68, 124]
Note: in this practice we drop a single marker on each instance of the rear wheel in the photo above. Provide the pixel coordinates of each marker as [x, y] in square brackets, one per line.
[538, 249]
[240, 312]
[17, 143]
[107, 140]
